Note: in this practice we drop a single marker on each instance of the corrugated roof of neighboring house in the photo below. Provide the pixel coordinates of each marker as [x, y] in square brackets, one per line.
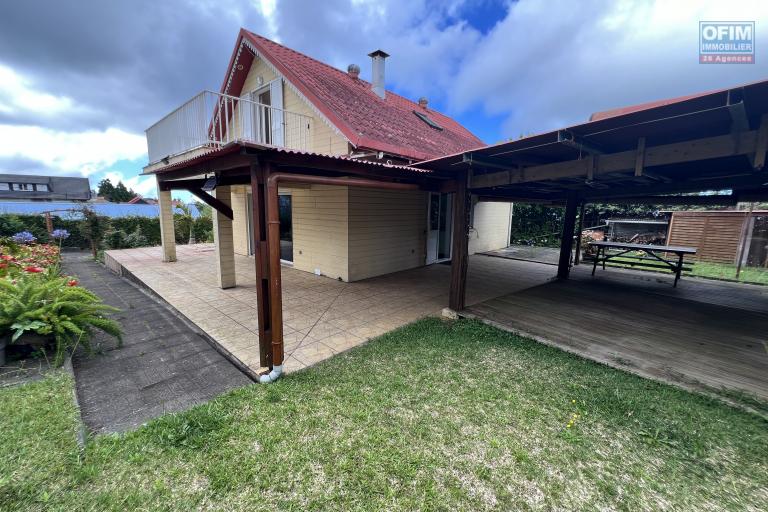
[59, 188]
[72, 210]
[366, 120]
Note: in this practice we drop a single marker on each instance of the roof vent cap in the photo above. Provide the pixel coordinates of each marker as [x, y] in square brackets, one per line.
[353, 70]
[423, 102]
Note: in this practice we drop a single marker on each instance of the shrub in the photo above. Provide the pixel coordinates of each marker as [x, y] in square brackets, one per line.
[54, 307]
[150, 227]
[115, 239]
[93, 227]
[136, 239]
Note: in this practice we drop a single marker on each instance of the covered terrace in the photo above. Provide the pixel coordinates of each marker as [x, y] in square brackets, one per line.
[662, 153]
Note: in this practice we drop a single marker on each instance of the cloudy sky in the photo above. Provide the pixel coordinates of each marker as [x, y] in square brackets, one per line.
[80, 80]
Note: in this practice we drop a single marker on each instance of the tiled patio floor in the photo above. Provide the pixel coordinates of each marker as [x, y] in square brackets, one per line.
[322, 316]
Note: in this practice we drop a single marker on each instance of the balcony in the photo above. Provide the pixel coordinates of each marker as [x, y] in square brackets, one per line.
[211, 120]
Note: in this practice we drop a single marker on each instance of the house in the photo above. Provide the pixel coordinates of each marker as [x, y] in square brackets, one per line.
[25, 187]
[273, 96]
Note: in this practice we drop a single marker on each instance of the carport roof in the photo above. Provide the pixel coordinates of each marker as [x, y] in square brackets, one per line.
[694, 143]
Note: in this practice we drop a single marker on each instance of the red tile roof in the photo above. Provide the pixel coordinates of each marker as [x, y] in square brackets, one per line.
[369, 122]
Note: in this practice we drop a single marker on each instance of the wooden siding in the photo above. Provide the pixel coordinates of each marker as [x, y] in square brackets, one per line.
[323, 137]
[490, 227]
[387, 231]
[714, 234]
[320, 230]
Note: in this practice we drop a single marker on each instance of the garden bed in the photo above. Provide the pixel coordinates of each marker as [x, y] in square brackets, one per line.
[42, 312]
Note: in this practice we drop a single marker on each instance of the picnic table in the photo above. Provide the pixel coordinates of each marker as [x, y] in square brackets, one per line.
[654, 251]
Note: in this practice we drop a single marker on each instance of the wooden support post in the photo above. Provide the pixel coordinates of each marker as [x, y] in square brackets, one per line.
[261, 255]
[761, 145]
[640, 157]
[743, 239]
[577, 258]
[566, 241]
[460, 245]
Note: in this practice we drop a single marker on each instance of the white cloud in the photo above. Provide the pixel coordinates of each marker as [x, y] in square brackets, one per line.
[83, 153]
[550, 64]
[18, 95]
[142, 185]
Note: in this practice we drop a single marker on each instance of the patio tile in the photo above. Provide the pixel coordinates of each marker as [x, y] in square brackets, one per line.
[314, 308]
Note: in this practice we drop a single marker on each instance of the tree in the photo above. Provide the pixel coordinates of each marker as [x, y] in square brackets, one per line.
[115, 193]
[106, 188]
[93, 227]
[185, 219]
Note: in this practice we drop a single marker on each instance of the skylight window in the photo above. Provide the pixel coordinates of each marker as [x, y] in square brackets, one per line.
[424, 117]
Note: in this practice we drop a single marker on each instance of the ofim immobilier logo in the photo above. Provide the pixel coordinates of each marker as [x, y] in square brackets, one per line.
[726, 42]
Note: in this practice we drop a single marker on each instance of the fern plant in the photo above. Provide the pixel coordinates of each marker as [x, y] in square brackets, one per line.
[51, 306]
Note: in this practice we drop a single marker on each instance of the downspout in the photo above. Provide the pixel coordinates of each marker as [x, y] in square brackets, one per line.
[273, 237]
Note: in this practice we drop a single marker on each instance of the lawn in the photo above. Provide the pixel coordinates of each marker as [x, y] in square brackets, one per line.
[721, 271]
[437, 415]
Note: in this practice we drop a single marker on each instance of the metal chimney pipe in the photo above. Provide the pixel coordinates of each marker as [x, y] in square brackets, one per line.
[377, 78]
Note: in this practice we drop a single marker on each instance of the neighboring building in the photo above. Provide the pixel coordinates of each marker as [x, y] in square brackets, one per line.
[275, 96]
[719, 235]
[645, 231]
[24, 187]
[72, 210]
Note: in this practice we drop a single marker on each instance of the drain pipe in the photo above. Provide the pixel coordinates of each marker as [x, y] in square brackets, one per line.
[273, 238]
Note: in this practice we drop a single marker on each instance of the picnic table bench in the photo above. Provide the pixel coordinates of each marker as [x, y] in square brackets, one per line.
[653, 252]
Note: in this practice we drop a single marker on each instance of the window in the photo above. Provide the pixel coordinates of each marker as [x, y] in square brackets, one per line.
[424, 117]
[42, 187]
[5, 186]
[22, 186]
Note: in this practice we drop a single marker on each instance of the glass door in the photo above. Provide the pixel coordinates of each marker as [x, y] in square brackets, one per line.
[286, 226]
[440, 227]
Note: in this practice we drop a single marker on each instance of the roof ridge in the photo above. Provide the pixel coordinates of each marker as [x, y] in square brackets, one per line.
[342, 73]
[351, 106]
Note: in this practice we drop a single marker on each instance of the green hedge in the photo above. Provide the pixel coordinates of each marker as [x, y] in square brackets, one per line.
[121, 233]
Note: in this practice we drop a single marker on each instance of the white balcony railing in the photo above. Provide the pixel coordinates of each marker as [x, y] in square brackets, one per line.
[210, 120]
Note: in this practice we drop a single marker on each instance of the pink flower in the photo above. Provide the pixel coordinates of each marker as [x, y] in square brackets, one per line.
[72, 282]
[33, 270]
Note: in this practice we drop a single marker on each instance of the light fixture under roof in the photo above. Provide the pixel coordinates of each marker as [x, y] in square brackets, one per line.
[210, 184]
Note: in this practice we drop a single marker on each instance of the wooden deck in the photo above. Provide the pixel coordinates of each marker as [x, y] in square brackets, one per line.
[703, 335]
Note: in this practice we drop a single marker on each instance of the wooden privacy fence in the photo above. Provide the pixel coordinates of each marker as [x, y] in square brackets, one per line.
[716, 234]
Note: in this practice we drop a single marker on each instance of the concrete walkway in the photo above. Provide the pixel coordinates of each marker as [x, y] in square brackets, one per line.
[164, 365]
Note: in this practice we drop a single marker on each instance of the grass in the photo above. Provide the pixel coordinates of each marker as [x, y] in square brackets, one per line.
[728, 272]
[434, 416]
[720, 271]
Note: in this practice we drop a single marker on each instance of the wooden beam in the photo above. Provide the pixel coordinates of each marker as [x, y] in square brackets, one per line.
[566, 240]
[640, 157]
[577, 258]
[211, 201]
[761, 147]
[460, 244]
[713, 200]
[754, 180]
[478, 161]
[667, 154]
[591, 166]
[574, 141]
